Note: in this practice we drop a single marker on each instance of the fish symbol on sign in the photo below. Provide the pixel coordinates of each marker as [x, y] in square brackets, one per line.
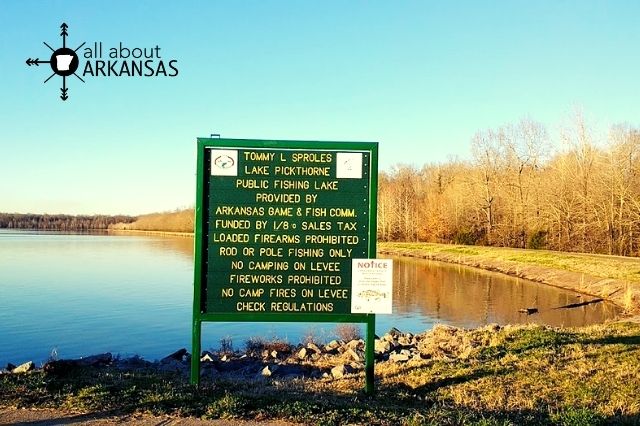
[224, 162]
[372, 294]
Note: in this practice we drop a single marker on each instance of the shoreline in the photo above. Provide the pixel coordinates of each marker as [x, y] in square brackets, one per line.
[525, 374]
[144, 232]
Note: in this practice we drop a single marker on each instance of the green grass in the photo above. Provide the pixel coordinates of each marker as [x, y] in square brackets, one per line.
[515, 375]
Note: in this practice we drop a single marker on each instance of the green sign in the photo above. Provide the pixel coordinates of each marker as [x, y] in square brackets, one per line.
[277, 226]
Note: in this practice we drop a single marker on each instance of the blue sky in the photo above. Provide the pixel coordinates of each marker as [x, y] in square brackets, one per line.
[420, 77]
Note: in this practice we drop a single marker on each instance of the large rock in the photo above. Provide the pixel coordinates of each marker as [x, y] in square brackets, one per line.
[352, 355]
[302, 354]
[23, 368]
[332, 346]
[313, 347]
[95, 360]
[246, 364]
[398, 357]
[356, 344]
[355, 366]
[405, 340]
[291, 371]
[382, 346]
[268, 370]
[389, 338]
[338, 371]
[395, 333]
[59, 367]
[176, 356]
[207, 357]
[172, 365]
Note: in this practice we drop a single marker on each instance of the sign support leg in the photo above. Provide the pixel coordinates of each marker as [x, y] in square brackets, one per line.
[195, 352]
[370, 354]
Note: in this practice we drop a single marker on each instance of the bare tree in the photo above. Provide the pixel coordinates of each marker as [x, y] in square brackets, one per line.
[486, 149]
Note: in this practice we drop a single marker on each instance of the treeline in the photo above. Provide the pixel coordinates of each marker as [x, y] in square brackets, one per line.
[518, 191]
[60, 222]
[177, 221]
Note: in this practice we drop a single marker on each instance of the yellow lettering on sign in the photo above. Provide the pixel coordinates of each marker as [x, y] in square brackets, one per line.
[301, 307]
[311, 158]
[325, 266]
[282, 292]
[251, 292]
[251, 306]
[232, 224]
[333, 293]
[256, 170]
[305, 252]
[280, 211]
[315, 211]
[316, 226]
[229, 238]
[255, 279]
[252, 184]
[268, 266]
[259, 156]
[302, 171]
[291, 184]
[314, 279]
[276, 239]
[265, 197]
[326, 186]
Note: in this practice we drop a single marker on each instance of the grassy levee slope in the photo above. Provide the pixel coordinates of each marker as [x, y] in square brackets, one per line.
[614, 278]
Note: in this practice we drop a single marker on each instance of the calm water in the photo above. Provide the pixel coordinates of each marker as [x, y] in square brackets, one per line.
[77, 295]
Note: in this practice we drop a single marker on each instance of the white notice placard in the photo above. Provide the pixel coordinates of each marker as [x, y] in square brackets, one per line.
[349, 165]
[371, 286]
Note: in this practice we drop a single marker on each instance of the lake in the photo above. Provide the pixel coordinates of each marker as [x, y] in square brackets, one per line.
[69, 296]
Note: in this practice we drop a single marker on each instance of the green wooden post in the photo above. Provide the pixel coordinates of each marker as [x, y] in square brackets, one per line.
[195, 352]
[370, 354]
[196, 331]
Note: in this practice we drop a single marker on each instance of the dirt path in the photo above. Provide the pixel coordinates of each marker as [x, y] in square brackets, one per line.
[31, 417]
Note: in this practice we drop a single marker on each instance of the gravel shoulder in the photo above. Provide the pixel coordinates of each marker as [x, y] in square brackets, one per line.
[48, 417]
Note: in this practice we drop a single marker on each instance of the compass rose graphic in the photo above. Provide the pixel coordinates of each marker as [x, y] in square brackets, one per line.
[64, 62]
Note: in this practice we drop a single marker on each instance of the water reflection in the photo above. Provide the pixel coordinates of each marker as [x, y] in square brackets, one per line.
[85, 294]
[469, 297]
[182, 245]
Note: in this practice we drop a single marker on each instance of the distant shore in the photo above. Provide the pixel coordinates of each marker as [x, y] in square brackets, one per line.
[159, 233]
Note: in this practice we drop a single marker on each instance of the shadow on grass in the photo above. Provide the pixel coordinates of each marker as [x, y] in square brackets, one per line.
[440, 382]
[615, 340]
[395, 403]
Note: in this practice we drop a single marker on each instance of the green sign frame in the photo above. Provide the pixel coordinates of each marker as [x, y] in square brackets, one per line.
[205, 306]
